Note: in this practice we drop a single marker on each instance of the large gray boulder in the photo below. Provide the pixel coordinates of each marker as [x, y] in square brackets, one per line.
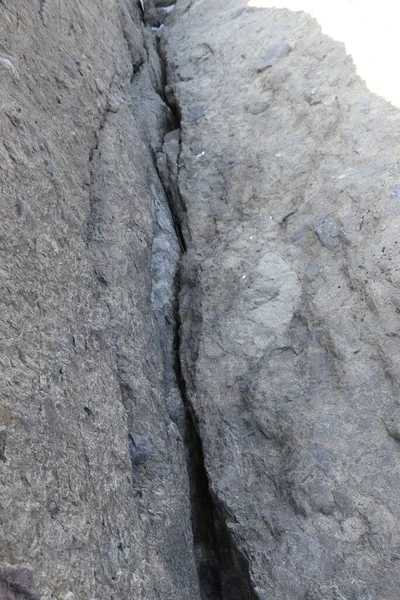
[289, 304]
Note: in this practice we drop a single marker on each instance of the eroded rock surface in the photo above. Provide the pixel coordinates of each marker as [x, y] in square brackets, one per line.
[289, 305]
[94, 491]
[256, 455]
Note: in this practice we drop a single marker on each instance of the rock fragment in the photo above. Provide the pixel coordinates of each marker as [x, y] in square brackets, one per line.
[328, 231]
[7, 65]
[392, 424]
[194, 113]
[16, 581]
[140, 449]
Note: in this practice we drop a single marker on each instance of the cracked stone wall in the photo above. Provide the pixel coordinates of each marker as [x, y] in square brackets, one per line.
[228, 172]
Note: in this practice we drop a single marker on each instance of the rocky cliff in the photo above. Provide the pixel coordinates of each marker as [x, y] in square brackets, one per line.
[200, 307]
[95, 498]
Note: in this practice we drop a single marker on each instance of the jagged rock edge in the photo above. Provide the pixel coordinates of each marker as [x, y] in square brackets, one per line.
[234, 566]
[223, 569]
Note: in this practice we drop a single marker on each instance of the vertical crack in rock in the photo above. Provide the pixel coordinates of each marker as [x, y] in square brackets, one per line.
[168, 248]
[223, 571]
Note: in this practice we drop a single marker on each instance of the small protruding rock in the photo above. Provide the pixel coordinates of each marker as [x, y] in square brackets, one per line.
[139, 449]
[194, 113]
[7, 65]
[328, 231]
[16, 581]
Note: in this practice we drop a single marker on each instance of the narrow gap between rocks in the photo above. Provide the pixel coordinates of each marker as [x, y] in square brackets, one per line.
[205, 541]
[223, 571]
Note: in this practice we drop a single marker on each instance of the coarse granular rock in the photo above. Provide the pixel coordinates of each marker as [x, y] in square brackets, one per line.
[93, 512]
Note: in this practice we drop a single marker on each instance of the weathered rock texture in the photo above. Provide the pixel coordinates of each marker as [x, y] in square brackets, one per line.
[289, 303]
[94, 491]
[256, 455]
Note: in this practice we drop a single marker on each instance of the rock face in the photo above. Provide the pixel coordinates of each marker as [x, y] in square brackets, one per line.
[200, 307]
[289, 303]
[94, 498]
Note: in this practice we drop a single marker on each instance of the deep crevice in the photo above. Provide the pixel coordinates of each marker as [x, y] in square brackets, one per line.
[223, 570]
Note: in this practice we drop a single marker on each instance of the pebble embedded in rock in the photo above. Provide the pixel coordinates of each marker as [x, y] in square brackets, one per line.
[256, 108]
[194, 113]
[328, 231]
[7, 65]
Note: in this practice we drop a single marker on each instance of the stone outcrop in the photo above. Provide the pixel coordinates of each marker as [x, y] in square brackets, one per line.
[288, 182]
[94, 498]
[200, 310]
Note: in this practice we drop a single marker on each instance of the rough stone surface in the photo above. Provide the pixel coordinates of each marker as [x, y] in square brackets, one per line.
[289, 336]
[256, 455]
[94, 491]
[272, 55]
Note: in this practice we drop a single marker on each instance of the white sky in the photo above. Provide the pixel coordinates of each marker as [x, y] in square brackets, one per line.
[370, 31]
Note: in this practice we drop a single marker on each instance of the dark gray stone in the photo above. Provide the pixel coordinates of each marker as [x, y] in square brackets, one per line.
[139, 449]
[88, 510]
[328, 231]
